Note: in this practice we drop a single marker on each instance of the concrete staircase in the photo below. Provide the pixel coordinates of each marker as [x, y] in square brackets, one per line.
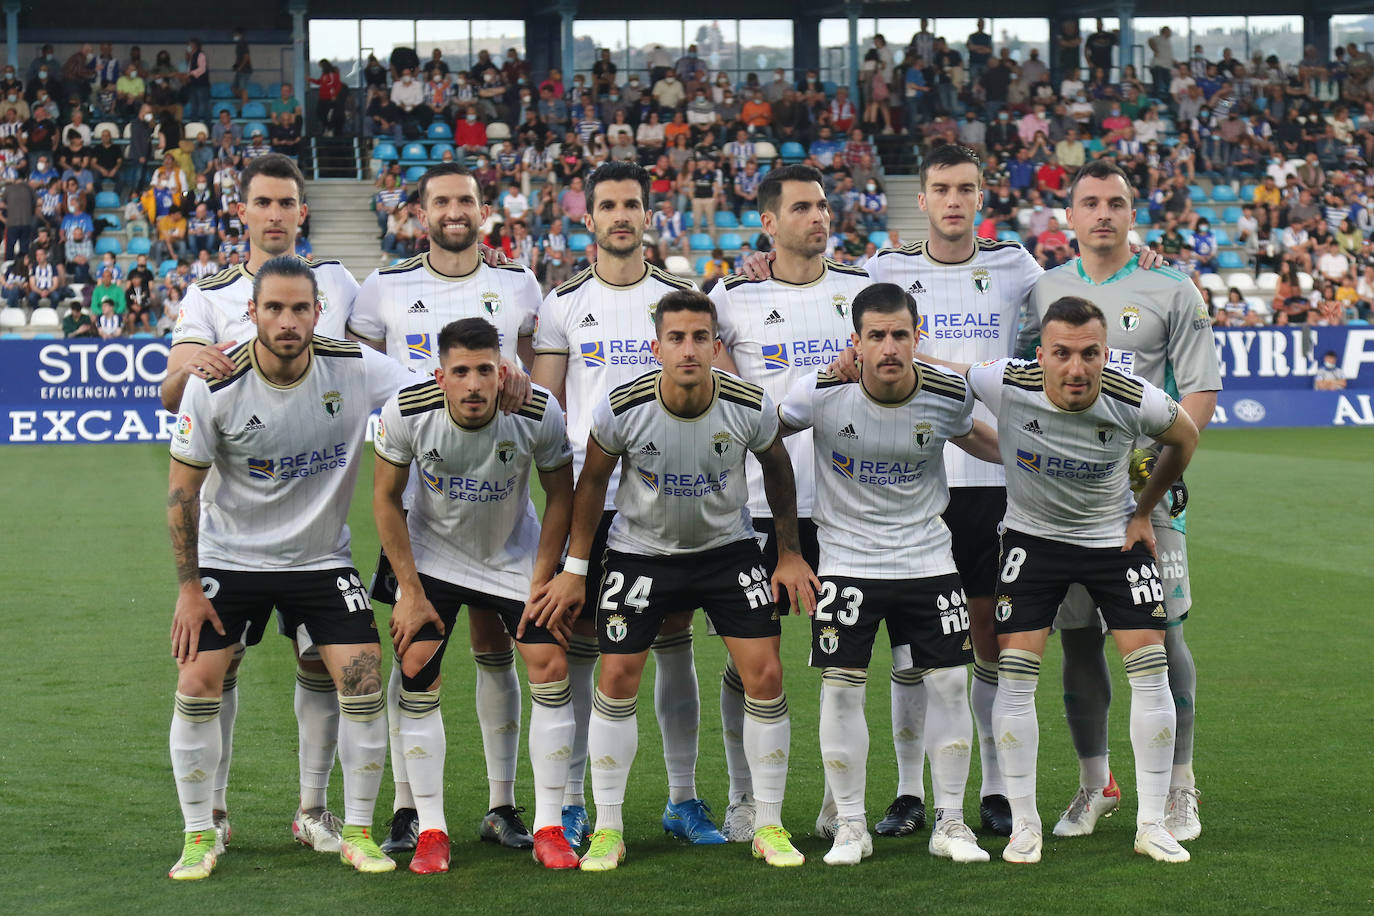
[903, 215]
[342, 224]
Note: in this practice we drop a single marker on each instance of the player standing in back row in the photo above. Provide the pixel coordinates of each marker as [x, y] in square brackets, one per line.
[1158, 329]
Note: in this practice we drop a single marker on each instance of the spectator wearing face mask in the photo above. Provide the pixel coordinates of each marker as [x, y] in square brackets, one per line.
[408, 96]
[669, 92]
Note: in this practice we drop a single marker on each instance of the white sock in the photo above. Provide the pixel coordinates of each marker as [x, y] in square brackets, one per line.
[551, 735]
[677, 704]
[981, 696]
[844, 738]
[732, 732]
[582, 656]
[399, 777]
[498, 715]
[908, 730]
[767, 741]
[1018, 731]
[228, 712]
[949, 734]
[423, 746]
[1183, 777]
[195, 746]
[612, 740]
[1094, 772]
[1152, 729]
[362, 752]
[317, 730]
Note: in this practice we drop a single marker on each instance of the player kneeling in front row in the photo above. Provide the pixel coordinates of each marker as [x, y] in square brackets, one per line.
[886, 555]
[276, 445]
[1066, 427]
[472, 538]
[682, 539]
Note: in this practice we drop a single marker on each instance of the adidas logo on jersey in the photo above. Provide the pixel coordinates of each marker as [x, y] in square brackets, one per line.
[253, 424]
[418, 308]
[1033, 427]
[588, 322]
[432, 455]
[916, 288]
[773, 318]
[650, 449]
[848, 432]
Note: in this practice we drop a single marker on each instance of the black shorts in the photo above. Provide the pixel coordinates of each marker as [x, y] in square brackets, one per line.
[331, 604]
[1036, 573]
[927, 622]
[973, 517]
[448, 599]
[810, 549]
[383, 585]
[730, 583]
[595, 566]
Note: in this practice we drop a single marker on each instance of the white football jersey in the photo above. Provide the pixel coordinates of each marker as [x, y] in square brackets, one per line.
[969, 313]
[405, 306]
[216, 308]
[472, 523]
[282, 461]
[1068, 474]
[605, 331]
[779, 333]
[681, 487]
[880, 472]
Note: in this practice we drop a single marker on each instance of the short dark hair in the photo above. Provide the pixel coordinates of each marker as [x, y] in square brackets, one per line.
[684, 300]
[770, 189]
[884, 298]
[948, 155]
[440, 171]
[1100, 168]
[1074, 311]
[286, 265]
[272, 165]
[469, 334]
[617, 171]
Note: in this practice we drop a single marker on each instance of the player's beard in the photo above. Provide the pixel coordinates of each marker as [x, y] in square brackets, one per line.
[272, 248]
[619, 249]
[286, 350]
[453, 242]
[804, 247]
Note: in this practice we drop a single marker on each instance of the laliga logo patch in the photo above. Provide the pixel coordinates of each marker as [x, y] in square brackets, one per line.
[922, 432]
[616, 630]
[184, 425]
[720, 443]
[333, 403]
[829, 641]
[491, 302]
[1003, 611]
[1130, 318]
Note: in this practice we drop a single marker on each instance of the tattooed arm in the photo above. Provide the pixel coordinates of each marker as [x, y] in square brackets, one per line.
[193, 609]
[792, 573]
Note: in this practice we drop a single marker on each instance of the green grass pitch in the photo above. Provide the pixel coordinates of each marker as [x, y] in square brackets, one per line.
[1282, 583]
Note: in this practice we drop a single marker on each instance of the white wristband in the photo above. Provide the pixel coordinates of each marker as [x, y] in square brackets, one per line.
[575, 565]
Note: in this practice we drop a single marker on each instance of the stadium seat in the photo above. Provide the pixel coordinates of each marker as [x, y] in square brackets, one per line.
[139, 245]
[1222, 193]
[1242, 281]
[12, 319]
[193, 129]
[765, 151]
[729, 241]
[726, 220]
[687, 221]
[253, 127]
[103, 126]
[414, 152]
[221, 90]
[138, 229]
[1206, 213]
[1213, 282]
[436, 152]
[1229, 260]
[579, 240]
[1247, 193]
[750, 219]
[1267, 282]
[166, 267]
[829, 86]
[1092, 145]
[143, 335]
[1023, 218]
[415, 173]
[1142, 216]
[1008, 235]
[700, 265]
[10, 335]
[1222, 236]
[1197, 193]
[1154, 235]
[59, 336]
[230, 107]
[257, 91]
[107, 243]
[385, 152]
[678, 266]
[438, 130]
[792, 151]
[878, 237]
[106, 200]
[1304, 281]
[255, 110]
[1231, 214]
[44, 319]
[498, 130]
[702, 242]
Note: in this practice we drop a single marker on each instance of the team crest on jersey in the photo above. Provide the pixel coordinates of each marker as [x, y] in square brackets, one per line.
[720, 443]
[505, 451]
[333, 403]
[1105, 434]
[1003, 611]
[922, 432]
[491, 302]
[653, 309]
[322, 301]
[829, 641]
[1130, 318]
[982, 280]
[181, 319]
[841, 303]
[616, 630]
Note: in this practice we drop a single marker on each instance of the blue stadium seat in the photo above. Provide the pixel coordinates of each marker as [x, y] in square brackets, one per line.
[792, 151]
[11, 336]
[1092, 145]
[415, 173]
[749, 219]
[578, 241]
[702, 242]
[730, 240]
[1222, 193]
[726, 220]
[1247, 192]
[254, 126]
[1008, 235]
[436, 152]
[687, 221]
[1222, 236]
[59, 336]
[138, 230]
[166, 267]
[1154, 235]
[254, 110]
[878, 237]
[414, 152]
[700, 266]
[106, 243]
[440, 131]
[143, 335]
[1231, 214]
[1229, 260]
[1196, 193]
[230, 107]
[829, 86]
[111, 220]
[1206, 213]
[1142, 216]
[386, 152]
[139, 245]
[257, 91]
[106, 200]
[221, 90]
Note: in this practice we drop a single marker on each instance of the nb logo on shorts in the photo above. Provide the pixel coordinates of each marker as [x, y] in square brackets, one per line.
[1145, 586]
[953, 613]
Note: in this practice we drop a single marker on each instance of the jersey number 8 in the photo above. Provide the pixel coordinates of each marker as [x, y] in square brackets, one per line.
[1011, 568]
[849, 614]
